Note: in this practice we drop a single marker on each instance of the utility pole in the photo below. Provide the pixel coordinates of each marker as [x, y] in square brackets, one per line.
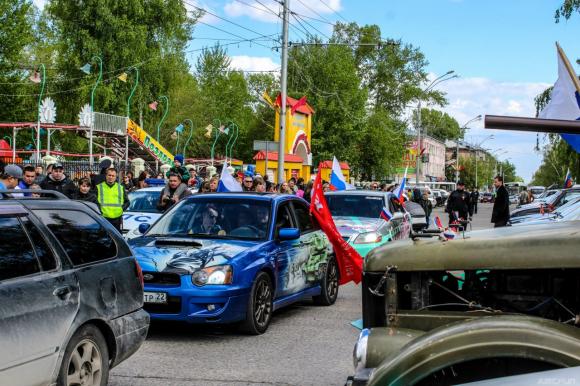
[283, 81]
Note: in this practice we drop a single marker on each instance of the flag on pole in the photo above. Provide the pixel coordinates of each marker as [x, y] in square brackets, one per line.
[299, 103]
[337, 180]
[386, 214]
[228, 183]
[401, 188]
[348, 259]
[568, 182]
[565, 100]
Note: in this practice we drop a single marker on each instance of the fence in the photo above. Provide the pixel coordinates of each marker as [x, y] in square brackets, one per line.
[74, 169]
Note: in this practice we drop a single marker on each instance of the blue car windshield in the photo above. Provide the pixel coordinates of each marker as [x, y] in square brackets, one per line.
[143, 201]
[356, 205]
[216, 217]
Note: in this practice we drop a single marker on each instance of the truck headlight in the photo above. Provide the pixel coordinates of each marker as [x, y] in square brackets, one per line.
[368, 238]
[220, 274]
[359, 354]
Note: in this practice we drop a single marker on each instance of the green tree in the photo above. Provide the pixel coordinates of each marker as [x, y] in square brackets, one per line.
[328, 76]
[16, 35]
[151, 35]
[381, 146]
[567, 9]
[439, 125]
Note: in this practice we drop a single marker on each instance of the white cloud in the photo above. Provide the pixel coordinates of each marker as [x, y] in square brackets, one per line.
[253, 63]
[269, 9]
[469, 97]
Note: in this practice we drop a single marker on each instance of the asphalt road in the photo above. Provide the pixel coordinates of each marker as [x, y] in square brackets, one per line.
[305, 345]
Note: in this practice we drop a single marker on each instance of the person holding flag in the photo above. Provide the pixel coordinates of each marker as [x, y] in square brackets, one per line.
[349, 261]
[399, 190]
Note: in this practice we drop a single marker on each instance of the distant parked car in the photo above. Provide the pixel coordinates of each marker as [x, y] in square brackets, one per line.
[71, 294]
[550, 204]
[486, 197]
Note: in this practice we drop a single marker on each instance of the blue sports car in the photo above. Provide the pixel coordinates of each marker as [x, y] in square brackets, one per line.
[234, 257]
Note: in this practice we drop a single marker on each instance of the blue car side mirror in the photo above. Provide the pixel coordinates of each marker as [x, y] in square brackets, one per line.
[286, 234]
[143, 227]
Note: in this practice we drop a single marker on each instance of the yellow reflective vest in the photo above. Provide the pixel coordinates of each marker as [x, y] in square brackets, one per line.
[111, 199]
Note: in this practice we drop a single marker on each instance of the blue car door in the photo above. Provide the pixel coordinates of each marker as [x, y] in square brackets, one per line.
[285, 253]
[313, 245]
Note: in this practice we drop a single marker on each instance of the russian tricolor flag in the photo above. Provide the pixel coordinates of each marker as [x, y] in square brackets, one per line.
[437, 222]
[228, 183]
[401, 188]
[386, 214]
[568, 181]
[337, 181]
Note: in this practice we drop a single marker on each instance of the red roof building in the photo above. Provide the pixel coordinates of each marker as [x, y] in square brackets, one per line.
[273, 156]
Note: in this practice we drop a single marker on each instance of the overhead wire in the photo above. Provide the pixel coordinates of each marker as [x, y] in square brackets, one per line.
[333, 10]
[228, 21]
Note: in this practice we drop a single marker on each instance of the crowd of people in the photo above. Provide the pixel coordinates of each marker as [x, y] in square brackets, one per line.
[109, 190]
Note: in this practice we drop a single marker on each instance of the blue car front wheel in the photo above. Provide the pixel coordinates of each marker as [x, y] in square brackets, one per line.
[260, 307]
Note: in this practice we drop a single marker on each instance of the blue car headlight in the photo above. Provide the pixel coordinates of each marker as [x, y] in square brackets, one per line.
[219, 274]
[368, 238]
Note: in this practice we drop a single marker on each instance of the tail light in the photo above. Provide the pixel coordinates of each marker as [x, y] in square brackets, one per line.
[139, 274]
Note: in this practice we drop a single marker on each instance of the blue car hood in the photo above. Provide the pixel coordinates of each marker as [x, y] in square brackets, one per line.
[187, 257]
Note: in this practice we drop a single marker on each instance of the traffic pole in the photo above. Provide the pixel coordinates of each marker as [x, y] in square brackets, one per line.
[283, 96]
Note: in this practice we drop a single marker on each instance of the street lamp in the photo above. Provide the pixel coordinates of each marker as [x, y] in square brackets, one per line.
[443, 78]
[457, 146]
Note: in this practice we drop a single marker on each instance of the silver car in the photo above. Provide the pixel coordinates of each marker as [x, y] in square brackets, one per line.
[71, 294]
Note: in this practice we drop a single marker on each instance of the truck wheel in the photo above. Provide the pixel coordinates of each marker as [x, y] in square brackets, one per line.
[86, 359]
[260, 307]
[329, 285]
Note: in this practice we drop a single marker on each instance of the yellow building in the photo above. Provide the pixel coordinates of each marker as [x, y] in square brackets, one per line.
[298, 137]
[293, 165]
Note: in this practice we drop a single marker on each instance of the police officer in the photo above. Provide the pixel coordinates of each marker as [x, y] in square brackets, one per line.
[474, 200]
[112, 198]
[459, 204]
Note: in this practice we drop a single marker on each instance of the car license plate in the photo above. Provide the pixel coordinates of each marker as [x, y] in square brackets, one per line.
[154, 297]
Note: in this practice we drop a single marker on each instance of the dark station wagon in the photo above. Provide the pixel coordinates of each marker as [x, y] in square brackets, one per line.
[71, 294]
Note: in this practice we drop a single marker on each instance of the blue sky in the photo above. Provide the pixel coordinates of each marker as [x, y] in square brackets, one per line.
[503, 50]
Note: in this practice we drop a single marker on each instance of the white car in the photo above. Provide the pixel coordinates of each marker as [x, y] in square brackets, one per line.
[142, 210]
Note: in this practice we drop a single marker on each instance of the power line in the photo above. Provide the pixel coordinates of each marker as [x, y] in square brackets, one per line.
[231, 33]
[336, 12]
[313, 11]
[316, 29]
[229, 21]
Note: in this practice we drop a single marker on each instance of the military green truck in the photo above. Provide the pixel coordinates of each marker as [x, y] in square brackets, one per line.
[488, 304]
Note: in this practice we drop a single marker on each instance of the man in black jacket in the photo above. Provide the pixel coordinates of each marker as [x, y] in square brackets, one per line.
[58, 181]
[458, 204]
[501, 206]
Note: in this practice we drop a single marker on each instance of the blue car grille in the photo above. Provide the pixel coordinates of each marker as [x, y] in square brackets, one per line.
[173, 306]
[161, 278]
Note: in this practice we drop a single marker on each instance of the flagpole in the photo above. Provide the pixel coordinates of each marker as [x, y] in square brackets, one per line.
[569, 67]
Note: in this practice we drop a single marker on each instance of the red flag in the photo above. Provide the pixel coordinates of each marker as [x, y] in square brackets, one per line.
[348, 259]
[299, 102]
